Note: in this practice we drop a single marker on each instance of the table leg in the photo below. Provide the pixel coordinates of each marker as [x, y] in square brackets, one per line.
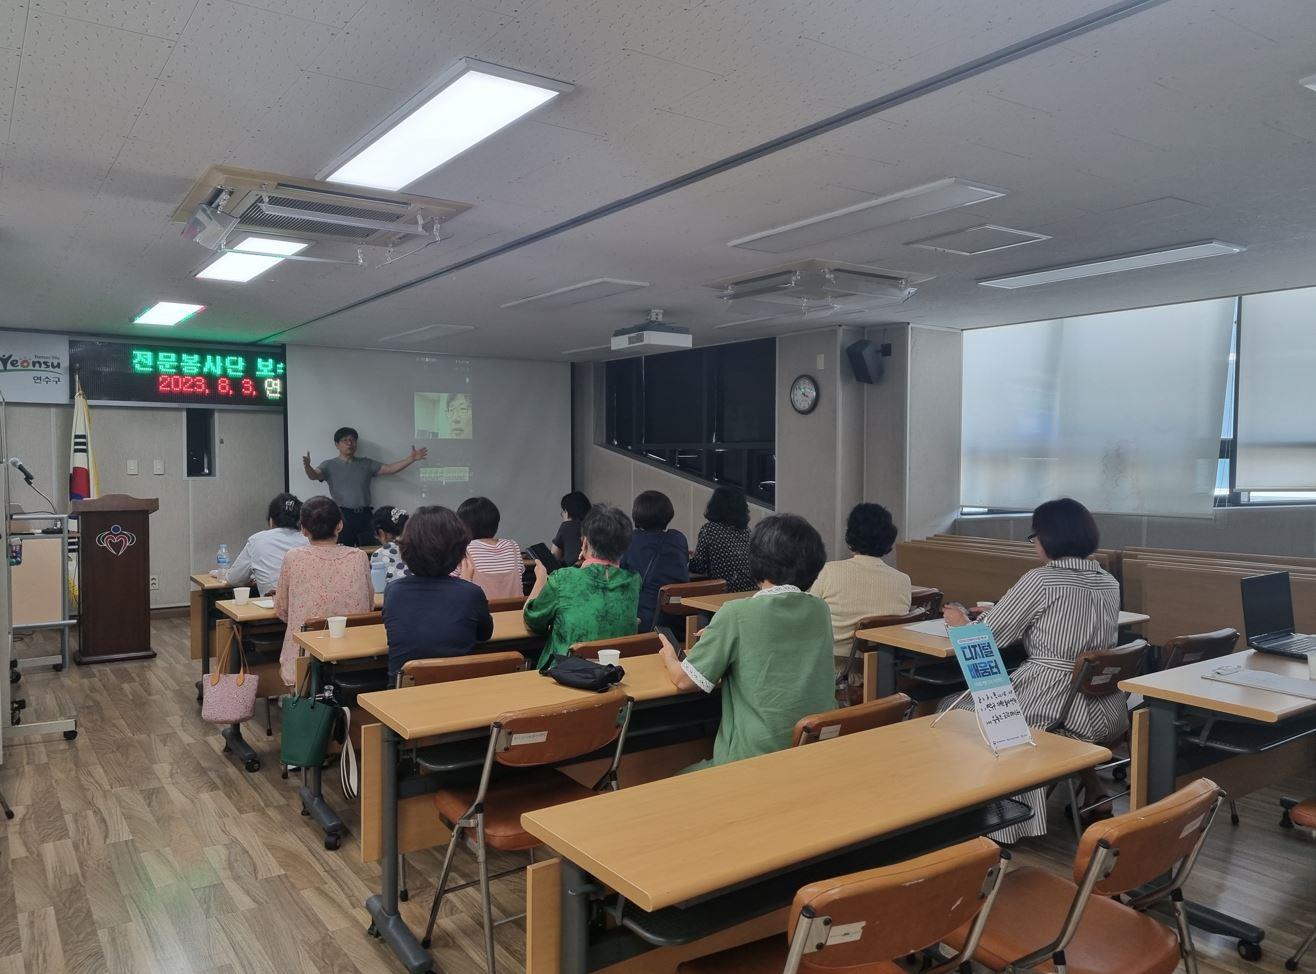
[1162, 751]
[574, 938]
[208, 619]
[879, 673]
[386, 921]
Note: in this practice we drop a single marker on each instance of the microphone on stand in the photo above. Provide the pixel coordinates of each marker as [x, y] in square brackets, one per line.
[17, 464]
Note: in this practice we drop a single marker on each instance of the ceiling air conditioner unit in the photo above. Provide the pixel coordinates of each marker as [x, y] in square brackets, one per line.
[809, 285]
[288, 206]
[651, 335]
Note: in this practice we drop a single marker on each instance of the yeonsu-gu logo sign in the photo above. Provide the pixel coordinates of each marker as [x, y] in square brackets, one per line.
[34, 367]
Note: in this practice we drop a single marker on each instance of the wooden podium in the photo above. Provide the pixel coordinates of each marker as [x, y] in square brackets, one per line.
[114, 591]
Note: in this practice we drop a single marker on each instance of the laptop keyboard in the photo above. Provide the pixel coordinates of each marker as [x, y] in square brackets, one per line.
[1297, 645]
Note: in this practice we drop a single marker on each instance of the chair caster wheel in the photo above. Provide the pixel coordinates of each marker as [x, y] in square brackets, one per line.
[403, 895]
[426, 943]
[57, 667]
[253, 765]
[1249, 951]
[333, 842]
[1234, 820]
[70, 735]
[9, 813]
[305, 811]
[1290, 965]
[227, 750]
[372, 931]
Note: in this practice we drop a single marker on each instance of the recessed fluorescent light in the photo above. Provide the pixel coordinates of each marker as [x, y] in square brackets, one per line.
[167, 313]
[1115, 265]
[600, 287]
[249, 259]
[460, 109]
[986, 238]
[908, 204]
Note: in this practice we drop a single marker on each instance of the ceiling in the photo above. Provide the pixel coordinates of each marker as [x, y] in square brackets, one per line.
[1182, 122]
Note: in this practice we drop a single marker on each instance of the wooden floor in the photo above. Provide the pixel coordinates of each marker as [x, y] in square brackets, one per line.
[140, 847]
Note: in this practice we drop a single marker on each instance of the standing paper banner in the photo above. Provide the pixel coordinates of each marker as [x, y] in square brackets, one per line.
[34, 367]
[999, 715]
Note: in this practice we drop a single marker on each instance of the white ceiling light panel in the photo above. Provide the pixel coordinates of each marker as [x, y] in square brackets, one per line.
[167, 313]
[250, 259]
[459, 110]
[908, 204]
[987, 238]
[592, 290]
[1115, 265]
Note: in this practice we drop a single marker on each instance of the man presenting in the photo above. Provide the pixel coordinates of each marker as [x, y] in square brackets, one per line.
[349, 476]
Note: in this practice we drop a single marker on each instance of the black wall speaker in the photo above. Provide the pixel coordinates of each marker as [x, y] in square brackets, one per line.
[865, 360]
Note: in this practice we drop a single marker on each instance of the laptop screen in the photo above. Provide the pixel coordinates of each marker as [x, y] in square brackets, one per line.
[1267, 605]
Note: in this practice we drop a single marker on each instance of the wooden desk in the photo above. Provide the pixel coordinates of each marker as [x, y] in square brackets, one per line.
[770, 813]
[206, 592]
[452, 711]
[253, 611]
[711, 603]
[881, 649]
[1171, 696]
[367, 642]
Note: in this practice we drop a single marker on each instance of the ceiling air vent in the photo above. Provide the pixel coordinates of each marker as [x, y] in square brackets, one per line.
[313, 210]
[818, 288]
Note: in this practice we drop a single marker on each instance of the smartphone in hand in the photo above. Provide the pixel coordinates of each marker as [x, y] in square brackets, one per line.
[671, 638]
[541, 553]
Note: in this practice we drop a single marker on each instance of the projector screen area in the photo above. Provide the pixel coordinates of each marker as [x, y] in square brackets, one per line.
[498, 428]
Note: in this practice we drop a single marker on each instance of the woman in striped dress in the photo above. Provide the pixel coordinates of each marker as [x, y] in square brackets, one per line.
[1066, 607]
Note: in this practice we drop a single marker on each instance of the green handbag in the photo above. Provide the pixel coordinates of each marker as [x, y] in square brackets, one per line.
[308, 724]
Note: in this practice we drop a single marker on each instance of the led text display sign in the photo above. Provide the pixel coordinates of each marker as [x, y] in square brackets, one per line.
[212, 375]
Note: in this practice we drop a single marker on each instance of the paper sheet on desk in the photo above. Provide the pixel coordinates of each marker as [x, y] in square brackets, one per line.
[263, 603]
[933, 627]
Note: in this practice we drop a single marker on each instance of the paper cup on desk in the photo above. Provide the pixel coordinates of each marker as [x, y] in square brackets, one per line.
[337, 626]
[609, 657]
[242, 594]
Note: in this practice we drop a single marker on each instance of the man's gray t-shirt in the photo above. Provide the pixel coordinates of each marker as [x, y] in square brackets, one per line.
[349, 483]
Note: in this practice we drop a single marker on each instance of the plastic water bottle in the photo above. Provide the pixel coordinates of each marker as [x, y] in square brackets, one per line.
[222, 563]
[378, 571]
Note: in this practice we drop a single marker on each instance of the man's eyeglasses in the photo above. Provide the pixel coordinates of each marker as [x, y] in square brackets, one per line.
[1033, 536]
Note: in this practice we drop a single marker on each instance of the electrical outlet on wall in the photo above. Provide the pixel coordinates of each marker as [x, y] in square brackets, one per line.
[132, 468]
[155, 583]
[159, 468]
[822, 361]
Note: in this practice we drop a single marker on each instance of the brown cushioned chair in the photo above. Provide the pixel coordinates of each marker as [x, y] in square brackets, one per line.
[510, 604]
[530, 741]
[929, 601]
[1300, 815]
[843, 690]
[642, 644]
[859, 923]
[851, 720]
[1044, 921]
[671, 600]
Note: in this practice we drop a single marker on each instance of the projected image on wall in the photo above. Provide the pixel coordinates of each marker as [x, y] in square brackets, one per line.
[443, 416]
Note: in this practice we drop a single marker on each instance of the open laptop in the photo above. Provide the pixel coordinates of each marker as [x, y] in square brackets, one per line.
[1268, 617]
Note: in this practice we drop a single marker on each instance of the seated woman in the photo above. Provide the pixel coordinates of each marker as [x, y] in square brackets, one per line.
[491, 562]
[659, 556]
[722, 549]
[321, 579]
[261, 557]
[772, 653]
[389, 523]
[429, 613]
[598, 600]
[863, 585]
[1066, 607]
[566, 543]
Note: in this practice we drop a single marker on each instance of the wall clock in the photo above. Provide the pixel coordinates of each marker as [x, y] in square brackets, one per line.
[804, 394]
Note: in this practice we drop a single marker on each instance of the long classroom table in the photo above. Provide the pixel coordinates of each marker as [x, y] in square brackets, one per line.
[687, 853]
[207, 591]
[882, 649]
[1261, 736]
[457, 713]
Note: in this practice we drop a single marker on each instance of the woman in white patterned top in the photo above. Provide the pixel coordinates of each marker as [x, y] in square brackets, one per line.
[388, 524]
[1066, 607]
[491, 562]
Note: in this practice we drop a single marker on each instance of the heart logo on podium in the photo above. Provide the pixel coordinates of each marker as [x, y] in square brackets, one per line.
[116, 540]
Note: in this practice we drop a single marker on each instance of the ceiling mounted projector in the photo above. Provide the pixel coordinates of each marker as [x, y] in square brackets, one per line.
[652, 334]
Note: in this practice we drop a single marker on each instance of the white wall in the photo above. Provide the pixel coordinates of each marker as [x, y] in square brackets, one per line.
[195, 514]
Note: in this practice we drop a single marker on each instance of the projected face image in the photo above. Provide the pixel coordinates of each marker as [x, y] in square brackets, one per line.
[444, 416]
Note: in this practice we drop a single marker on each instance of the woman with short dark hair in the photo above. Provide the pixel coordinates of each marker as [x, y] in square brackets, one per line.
[722, 548]
[261, 558]
[1066, 607]
[491, 562]
[863, 584]
[595, 601]
[660, 556]
[389, 523]
[566, 543]
[321, 579]
[771, 652]
[430, 612]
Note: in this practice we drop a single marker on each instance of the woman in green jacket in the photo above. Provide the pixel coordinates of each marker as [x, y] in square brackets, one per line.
[772, 653]
[598, 600]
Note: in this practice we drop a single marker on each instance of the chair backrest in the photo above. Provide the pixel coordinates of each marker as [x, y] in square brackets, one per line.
[448, 669]
[641, 644]
[1098, 672]
[1184, 650]
[899, 908]
[548, 735]
[930, 601]
[880, 622]
[1149, 842]
[362, 619]
[514, 604]
[851, 720]
[670, 596]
